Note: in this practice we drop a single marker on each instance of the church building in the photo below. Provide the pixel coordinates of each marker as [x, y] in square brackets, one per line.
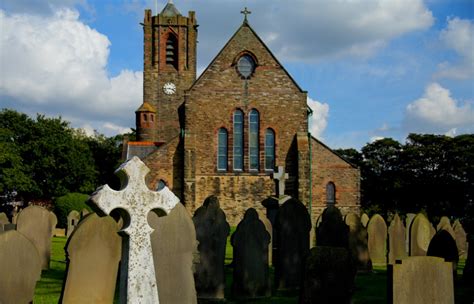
[228, 131]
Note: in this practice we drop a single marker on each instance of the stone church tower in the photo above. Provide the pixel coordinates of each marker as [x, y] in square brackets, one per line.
[225, 133]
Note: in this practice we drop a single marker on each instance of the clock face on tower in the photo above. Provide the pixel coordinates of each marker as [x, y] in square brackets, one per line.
[169, 88]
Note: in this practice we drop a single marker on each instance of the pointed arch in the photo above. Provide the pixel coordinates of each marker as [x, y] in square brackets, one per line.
[172, 51]
[238, 148]
[222, 149]
[254, 122]
[269, 149]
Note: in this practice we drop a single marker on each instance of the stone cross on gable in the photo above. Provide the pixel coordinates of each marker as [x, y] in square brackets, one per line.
[137, 200]
[245, 12]
[280, 176]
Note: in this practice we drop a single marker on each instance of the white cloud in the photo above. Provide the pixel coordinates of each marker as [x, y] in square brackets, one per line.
[56, 65]
[458, 36]
[436, 111]
[319, 120]
[375, 138]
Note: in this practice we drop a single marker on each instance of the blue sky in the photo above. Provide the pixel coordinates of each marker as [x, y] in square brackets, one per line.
[372, 68]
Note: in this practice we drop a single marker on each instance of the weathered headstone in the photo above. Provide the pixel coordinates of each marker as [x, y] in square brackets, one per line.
[444, 246]
[93, 252]
[461, 239]
[364, 219]
[408, 220]
[250, 242]
[4, 219]
[212, 230]
[35, 224]
[137, 274]
[396, 239]
[445, 224]
[292, 237]
[269, 227]
[20, 268]
[377, 233]
[421, 280]
[420, 235]
[73, 219]
[173, 242]
[329, 276]
[332, 231]
[84, 212]
[358, 242]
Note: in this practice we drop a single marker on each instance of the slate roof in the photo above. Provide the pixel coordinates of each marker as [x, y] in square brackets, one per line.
[170, 10]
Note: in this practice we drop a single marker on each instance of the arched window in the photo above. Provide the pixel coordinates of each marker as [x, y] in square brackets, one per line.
[172, 51]
[238, 140]
[253, 140]
[222, 150]
[330, 193]
[269, 150]
[145, 117]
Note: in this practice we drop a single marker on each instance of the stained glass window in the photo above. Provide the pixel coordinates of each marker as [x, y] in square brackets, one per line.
[269, 150]
[222, 150]
[238, 140]
[253, 139]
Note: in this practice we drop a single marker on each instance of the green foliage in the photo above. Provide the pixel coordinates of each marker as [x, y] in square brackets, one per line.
[67, 203]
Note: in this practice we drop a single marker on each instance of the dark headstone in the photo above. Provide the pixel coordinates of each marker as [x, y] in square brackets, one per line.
[212, 230]
[329, 276]
[251, 273]
[444, 246]
[377, 233]
[421, 280]
[332, 231]
[174, 242]
[292, 228]
[36, 224]
[396, 239]
[358, 242]
[93, 251]
[20, 268]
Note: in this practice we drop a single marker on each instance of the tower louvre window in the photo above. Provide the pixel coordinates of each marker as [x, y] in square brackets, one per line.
[172, 51]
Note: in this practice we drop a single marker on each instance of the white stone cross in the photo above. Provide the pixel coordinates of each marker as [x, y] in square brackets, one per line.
[137, 200]
[280, 176]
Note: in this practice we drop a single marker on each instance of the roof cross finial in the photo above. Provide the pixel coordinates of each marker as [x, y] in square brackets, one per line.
[245, 12]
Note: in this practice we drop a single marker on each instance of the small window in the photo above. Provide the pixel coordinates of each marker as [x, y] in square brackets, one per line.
[330, 193]
[253, 140]
[238, 140]
[222, 150]
[269, 150]
[152, 117]
[145, 117]
[246, 66]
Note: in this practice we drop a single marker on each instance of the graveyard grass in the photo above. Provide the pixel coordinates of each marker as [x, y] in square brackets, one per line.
[370, 287]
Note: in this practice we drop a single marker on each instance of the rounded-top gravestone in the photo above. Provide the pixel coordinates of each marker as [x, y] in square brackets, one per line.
[36, 224]
[444, 246]
[420, 235]
[461, 239]
[445, 224]
[332, 230]
[396, 239]
[377, 243]
[250, 242]
[358, 242]
[212, 230]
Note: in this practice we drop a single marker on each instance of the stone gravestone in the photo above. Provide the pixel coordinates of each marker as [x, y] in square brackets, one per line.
[358, 242]
[84, 212]
[408, 220]
[20, 268]
[332, 231]
[136, 200]
[251, 273]
[3, 221]
[421, 280]
[364, 219]
[445, 224]
[212, 230]
[35, 223]
[173, 242]
[93, 254]
[269, 227]
[329, 276]
[444, 246]
[461, 239]
[377, 233]
[420, 235]
[396, 240]
[73, 219]
[54, 221]
[292, 228]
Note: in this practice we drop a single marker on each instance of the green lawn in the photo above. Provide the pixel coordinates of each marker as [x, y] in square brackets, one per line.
[370, 287]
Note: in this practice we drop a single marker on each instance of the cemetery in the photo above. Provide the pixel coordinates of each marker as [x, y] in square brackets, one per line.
[221, 193]
[170, 256]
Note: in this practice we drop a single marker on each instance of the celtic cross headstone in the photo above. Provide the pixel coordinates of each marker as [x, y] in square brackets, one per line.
[280, 176]
[137, 200]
